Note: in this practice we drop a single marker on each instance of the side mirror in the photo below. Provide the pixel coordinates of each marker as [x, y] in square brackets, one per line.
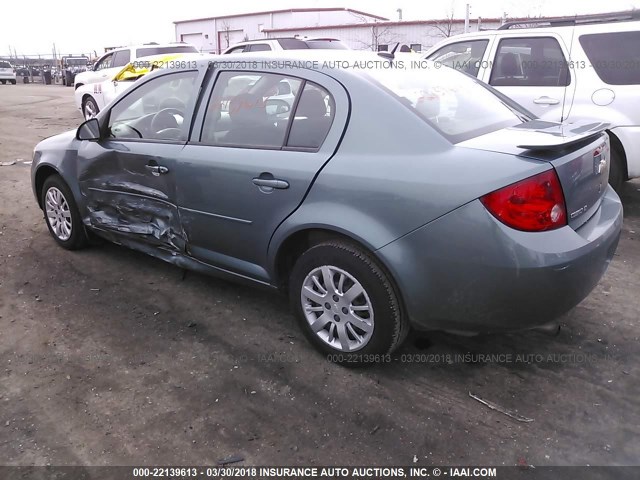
[89, 130]
[275, 106]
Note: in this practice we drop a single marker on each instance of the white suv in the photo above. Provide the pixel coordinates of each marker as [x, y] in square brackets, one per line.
[563, 70]
[113, 61]
[7, 73]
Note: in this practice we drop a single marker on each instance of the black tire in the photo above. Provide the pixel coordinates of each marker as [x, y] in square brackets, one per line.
[78, 236]
[89, 101]
[4, 82]
[617, 171]
[13, 82]
[390, 326]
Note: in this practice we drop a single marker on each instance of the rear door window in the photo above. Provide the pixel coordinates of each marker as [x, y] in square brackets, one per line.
[463, 56]
[258, 47]
[530, 62]
[614, 56]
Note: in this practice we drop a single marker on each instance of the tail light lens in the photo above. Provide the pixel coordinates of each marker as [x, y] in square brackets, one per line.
[535, 204]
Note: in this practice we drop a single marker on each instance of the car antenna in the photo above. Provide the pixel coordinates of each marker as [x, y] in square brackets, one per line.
[390, 55]
[563, 117]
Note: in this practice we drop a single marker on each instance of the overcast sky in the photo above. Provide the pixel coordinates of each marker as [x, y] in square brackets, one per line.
[32, 26]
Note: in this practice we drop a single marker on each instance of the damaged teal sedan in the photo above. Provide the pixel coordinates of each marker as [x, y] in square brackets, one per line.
[378, 199]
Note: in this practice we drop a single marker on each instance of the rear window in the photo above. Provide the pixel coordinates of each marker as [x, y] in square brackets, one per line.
[327, 44]
[292, 44]
[614, 56]
[457, 105]
[5, 65]
[148, 51]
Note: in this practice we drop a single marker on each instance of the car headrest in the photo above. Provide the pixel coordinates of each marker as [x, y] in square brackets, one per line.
[247, 108]
[509, 65]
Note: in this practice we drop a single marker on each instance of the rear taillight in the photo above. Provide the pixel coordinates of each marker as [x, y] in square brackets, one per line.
[533, 205]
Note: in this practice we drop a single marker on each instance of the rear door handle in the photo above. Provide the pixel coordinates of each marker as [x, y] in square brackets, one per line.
[271, 183]
[544, 100]
[157, 170]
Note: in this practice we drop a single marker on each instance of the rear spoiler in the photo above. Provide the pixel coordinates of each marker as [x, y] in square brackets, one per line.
[541, 135]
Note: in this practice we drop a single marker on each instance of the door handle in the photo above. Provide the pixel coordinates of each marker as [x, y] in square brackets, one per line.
[544, 100]
[270, 183]
[157, 170]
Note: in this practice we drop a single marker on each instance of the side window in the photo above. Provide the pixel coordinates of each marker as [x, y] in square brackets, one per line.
[258, 47]
[313, 118]
[464, 56]
[104, 62]
[239, 49]
[530, 62]
[156, 110]
[121, 58]
[615, 56]
[249, 110]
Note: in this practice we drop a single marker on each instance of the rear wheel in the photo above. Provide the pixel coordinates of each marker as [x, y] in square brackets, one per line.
[62, 215]
[345, 303]
[3, 82]
[13, 82]
[617, 172]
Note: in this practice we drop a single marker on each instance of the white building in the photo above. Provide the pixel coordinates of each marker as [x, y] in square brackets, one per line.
[419, 35]
[214, 34]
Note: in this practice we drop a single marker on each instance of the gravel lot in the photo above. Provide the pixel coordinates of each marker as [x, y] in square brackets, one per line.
[110, 357]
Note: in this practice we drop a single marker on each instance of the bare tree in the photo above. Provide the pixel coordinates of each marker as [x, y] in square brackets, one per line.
[380, 35]
[226, 33]
[445, 27]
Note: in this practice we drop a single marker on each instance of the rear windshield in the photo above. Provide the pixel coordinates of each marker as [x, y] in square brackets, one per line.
[76, 61]
[327, 44]
[148, 51]
[5, 65]
[614, 56]
[459, 106]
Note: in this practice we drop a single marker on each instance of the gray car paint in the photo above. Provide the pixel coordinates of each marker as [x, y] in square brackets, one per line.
[395, 185]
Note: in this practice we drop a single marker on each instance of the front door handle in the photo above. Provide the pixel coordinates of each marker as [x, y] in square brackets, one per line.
[544, 100]
[270, 183]
[157, 170]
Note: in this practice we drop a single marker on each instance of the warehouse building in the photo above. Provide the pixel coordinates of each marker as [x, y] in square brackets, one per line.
[215, 34]
[359, 30]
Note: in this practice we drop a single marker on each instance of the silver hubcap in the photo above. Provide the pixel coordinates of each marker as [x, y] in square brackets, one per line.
[89, 110]
[58, 213]
[337, 308]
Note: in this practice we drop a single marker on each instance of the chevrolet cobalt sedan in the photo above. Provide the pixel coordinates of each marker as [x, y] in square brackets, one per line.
[378, 196]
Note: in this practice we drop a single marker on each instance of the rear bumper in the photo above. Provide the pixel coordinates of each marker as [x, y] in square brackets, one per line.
[7, 76]
[467, 272]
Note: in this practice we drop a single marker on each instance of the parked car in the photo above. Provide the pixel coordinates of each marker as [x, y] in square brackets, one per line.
[286, 43]
[374, 206]
[114, 60]
[563, 70]
[93, 97]
[7, 73]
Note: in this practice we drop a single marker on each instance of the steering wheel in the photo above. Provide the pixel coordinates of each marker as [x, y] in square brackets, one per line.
[165, 119]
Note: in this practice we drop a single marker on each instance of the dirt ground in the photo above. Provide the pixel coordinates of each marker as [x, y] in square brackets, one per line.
[110, 357]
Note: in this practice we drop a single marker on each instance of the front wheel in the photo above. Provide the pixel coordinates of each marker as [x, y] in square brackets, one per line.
[62, 215]
[89, 108]
[345, 303]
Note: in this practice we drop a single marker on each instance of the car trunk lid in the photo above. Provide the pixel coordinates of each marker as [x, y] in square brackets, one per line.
[579, 153]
